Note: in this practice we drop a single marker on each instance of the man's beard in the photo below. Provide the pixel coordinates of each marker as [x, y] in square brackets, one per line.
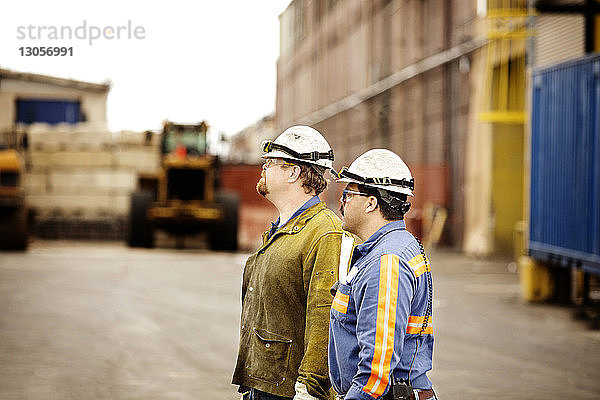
[261, 187]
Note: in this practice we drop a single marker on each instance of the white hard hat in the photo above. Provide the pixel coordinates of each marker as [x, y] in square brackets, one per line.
[382, 169]
[300, 143]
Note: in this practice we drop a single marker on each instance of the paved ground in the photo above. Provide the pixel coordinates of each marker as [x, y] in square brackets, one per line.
[101, 321]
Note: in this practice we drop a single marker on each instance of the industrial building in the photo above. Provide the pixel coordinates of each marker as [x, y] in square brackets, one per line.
[79, 175]
[245, 143]
[444, 84]
[27, 98]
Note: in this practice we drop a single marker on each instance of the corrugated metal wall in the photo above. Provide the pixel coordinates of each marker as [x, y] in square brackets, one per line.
[559, 38]
[565, 164]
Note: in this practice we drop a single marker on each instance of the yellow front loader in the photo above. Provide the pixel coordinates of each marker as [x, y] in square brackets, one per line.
[14, 232]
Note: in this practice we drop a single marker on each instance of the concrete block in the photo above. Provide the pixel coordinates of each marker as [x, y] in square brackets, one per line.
[35, 183]
[119, 204]
[83, 203]
[149, 148]
[89, 141]
[73, 181]
[35, 138]
[103, 138]
[94, 180]
[51, 140]
[144, 159]
[81, 159]
[45, 141]
[123, 179]
[128, 140]
[40, 160]
[69, 137]
[130, 137]
[140, 160]
[39, 128]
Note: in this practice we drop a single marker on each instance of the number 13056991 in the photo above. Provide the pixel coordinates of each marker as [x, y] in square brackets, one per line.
[46, 51]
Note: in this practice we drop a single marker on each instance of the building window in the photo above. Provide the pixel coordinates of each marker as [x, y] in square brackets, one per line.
[51, 112]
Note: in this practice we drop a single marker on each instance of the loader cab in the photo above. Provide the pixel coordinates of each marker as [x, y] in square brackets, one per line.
[184, 140]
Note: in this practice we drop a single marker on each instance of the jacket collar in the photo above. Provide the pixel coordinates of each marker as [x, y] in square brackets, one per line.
[276, 225]
[364, 248]
[295, 224]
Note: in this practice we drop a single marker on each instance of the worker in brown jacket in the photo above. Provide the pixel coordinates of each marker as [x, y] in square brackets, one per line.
[286, 283]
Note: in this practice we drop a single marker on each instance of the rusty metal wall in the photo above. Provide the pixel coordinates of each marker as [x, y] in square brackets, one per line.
[424, 119]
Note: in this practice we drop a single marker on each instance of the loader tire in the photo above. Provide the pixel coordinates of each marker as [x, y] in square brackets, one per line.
[14, 230]
[140, 232]
[224, 235]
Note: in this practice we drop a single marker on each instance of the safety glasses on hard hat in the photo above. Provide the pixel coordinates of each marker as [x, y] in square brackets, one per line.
[344, 173]
[275, 161]
[268, 146]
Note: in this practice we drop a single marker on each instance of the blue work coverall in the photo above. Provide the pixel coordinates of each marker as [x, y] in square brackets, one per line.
[377, 315]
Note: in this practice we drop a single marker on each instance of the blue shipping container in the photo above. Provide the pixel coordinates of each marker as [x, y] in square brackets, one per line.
[565, 164]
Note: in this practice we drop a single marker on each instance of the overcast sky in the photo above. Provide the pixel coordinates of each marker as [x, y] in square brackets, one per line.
[191, 60]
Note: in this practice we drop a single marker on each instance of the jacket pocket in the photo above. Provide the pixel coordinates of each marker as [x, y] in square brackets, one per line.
[269, 356]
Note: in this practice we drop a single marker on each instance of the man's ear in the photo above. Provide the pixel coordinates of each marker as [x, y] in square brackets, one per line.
[294, 173]
[371, 204]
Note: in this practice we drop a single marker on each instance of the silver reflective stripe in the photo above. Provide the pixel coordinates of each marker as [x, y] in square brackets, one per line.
[351, 275]
[345, 254]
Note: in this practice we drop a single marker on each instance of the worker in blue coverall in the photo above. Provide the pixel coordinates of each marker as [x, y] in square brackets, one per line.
[381, 332]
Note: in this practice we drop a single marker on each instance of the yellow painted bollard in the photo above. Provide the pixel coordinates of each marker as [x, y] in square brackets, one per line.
[536, 280]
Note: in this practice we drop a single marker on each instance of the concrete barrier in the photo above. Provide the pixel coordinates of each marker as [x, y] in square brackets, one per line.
[80, 175]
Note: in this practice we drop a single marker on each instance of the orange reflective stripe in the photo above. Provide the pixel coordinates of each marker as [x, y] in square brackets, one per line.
[415, 323]
[340, 302]
[416, 260]
[389, 270]
[415, 330]
[418, 265]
